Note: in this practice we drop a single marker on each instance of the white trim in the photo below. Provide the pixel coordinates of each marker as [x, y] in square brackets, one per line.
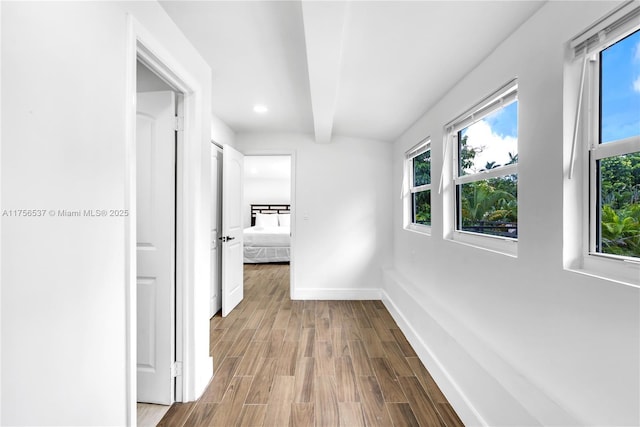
[0, 221]
[420, 148]
[488, 242]
[590, 134]
[421, 188]
[336, 294]
[130, 262]
[616, 148]
[502, 97]
[487, 174]
[428, 357]
[611, 269]
[606, 31]
[458, 358]
[419, 228]
[141, 44]
[180, 261]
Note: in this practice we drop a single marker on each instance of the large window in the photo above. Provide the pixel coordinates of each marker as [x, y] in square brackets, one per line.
[615, 157]
[605, 154]
[485, 143]
[418, 172]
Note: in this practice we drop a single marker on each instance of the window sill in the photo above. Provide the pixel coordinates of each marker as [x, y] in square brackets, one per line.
[609, 268]
[499, 245]
[419, 228]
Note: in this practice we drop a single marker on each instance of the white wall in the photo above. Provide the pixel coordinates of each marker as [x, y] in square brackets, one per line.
[262, 185]
[147, 81]
[64, 134]
[518, 341]
[342, 212]
[221, 133]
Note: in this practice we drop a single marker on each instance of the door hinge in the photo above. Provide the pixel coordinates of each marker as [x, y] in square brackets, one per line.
[176, 369]
[179, 124]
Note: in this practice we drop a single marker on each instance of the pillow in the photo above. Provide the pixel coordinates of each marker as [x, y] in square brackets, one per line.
[284, 220]
[266, 220]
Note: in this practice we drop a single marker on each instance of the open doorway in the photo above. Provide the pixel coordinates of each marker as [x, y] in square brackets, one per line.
[158, 104]
[268, 209]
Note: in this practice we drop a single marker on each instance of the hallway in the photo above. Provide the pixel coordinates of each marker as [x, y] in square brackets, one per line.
[280, 362]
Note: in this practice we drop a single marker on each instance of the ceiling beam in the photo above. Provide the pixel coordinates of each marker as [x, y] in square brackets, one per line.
[324, 29]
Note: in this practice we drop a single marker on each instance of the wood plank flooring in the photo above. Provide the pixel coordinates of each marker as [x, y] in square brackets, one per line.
[149, 414]
[283, 363]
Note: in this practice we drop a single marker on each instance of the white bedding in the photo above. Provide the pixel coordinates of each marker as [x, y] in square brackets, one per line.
[267, 236]
[266, 244]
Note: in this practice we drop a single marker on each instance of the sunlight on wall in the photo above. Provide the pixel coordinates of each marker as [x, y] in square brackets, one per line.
[355, 253]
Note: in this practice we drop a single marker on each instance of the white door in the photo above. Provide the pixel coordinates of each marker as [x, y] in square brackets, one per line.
[155, 236]
[216, 228]
[232, 256]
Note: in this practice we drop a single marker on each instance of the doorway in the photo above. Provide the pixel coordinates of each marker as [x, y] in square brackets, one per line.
[269, 188]
[193, 366]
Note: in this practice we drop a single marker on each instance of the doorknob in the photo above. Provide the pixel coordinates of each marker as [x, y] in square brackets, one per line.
[226, 238]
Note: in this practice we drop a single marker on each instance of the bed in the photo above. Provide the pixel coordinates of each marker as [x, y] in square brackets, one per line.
[269, 237]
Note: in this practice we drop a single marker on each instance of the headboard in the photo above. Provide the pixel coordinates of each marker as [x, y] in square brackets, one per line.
[268, 209]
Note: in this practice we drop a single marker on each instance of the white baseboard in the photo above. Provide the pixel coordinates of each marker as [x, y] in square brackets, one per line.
[458, 400]
[482, 387]
[336, 294]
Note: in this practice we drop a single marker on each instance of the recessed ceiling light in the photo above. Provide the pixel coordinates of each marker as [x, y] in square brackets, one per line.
[260, 109]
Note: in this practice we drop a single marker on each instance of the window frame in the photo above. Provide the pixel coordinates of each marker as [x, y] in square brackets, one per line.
[588, 149]
[409, 221]
[501, 98]
[598, 151]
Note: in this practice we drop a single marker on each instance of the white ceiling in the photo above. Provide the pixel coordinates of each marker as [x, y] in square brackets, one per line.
[360, 68]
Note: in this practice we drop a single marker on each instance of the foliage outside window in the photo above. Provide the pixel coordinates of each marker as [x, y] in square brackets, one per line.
[419, 172]
[486, 174]
[614, 160]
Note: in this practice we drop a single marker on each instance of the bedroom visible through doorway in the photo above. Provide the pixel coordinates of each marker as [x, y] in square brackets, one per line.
[267, 209]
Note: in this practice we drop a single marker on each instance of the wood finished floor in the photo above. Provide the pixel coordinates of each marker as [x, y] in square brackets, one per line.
[149, 414]
[283, 363]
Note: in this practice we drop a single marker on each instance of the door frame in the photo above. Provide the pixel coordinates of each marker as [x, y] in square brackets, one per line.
[220, 153]
[291, 153]
[143, 46]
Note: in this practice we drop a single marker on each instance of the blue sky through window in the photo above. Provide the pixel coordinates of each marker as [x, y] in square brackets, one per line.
[494, 139]
[504, 122]
[620, 94]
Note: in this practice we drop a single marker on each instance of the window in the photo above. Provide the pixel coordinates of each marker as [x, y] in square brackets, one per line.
[614, 163]
[485, 143]
[418, 174]
[606, 140]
